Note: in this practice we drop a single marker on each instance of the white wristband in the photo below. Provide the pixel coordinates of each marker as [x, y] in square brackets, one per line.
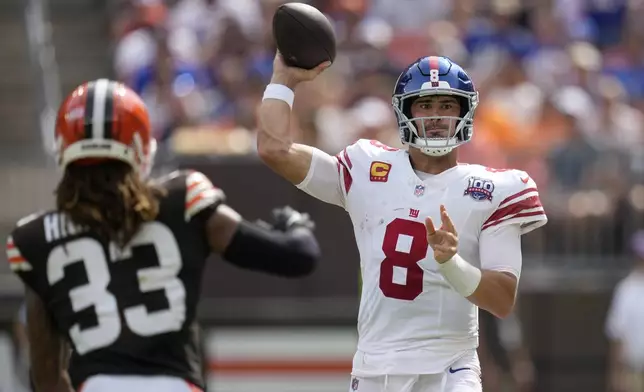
[281, 92]
[463, 276]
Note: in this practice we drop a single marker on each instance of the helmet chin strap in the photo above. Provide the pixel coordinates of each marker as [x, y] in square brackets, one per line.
[436, 152]
[431, 151]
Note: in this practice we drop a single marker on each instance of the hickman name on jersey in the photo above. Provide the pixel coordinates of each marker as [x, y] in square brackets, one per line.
[410, 320]
[125, 311]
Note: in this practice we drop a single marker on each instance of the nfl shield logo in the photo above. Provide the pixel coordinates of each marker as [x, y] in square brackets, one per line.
[354, 384]
[419, 190]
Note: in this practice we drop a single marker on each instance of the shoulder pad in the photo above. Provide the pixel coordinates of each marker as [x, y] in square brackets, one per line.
[366, 156]
[200, 194]
[517, 182]
[519, 202]
[14, 257]
[364, 147]
[199, 191]
[508, 181]
[31, 217]
[16, 261]
[363, 152]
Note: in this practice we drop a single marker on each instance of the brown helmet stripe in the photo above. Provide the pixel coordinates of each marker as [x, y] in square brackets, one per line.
[109, 111]
[99, 108]
[89, 109]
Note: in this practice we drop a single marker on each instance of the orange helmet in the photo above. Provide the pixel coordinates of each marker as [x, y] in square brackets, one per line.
[104, 119]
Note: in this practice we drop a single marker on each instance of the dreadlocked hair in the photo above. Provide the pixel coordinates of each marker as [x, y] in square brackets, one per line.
[110, 199]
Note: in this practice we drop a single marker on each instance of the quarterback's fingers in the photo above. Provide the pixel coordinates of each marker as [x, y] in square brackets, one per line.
[322, 66]
[429, 225]
[448, 225]
[279, 60]
[310, 74]
[300, 74]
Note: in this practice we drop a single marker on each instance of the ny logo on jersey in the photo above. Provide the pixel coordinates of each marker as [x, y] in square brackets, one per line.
[479, 189]
[414, 212]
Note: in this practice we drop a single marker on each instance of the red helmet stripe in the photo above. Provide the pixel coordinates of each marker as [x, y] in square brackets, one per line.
[433, 63]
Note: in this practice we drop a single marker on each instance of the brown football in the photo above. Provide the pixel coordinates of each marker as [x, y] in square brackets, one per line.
[304, 36]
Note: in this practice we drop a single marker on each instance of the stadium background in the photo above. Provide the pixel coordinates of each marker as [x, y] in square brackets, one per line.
[562, 94]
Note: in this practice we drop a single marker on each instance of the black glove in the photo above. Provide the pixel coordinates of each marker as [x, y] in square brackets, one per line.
[286, 218]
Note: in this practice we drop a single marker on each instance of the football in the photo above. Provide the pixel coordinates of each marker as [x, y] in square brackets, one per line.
[304, 36]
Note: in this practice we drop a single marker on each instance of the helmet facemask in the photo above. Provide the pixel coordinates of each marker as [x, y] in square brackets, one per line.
[461, 128]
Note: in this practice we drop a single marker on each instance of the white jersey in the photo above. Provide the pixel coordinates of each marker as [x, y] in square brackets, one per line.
[411, 321]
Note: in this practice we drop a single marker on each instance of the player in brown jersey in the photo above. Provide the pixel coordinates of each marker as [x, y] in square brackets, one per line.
[113, 273]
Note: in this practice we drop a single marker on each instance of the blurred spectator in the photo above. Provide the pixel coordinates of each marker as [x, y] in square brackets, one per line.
[561, 85]
[505, 360]
[132, 30]
[624, 326]
[22, 344]
[173, 90]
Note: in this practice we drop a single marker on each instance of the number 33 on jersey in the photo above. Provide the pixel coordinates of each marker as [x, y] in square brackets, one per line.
[103, 296]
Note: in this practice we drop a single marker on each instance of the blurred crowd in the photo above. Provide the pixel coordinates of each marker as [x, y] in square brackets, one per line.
[561, 86]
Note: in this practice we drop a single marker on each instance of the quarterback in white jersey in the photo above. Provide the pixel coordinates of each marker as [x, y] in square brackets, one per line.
[437, 239]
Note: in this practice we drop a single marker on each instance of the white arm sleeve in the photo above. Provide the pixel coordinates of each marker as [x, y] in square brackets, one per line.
[500, 249]
[323, 179]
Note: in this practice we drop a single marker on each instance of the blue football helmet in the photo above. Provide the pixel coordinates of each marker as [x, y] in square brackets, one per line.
[434, 76]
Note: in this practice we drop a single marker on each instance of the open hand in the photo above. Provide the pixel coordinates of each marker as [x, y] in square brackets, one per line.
[444, 241]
